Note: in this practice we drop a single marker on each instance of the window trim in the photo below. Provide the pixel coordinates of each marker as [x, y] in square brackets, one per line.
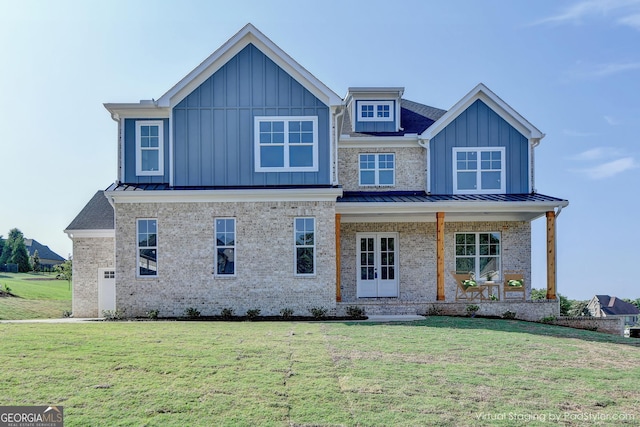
[296, 246]
[477, 255]
[376, 170]
[480, 150]
[286, 145]
[234, 247]
[146, 276]
[139, 148]
[375, 104]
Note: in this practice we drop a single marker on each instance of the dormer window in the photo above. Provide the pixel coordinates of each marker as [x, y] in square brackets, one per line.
[149, 147]
[375, 111]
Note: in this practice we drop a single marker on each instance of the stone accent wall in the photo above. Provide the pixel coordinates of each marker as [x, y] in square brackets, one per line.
[608, 325]
[417, 256]
[89, 254]
[264, 259]
[532, 311]
[411, 165]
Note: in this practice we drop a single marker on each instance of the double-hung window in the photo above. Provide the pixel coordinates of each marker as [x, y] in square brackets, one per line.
[377, 169]
[375, 111]
[478, 253]
[147, 251]
[479, 170]
[149, 147]
[225, 231]
[286, 144]
[305, 246]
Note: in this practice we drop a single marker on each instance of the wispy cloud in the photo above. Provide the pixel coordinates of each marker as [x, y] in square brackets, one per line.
[597, 153]
[623, 12]
[577, 133]
[609, 169]
[612, 120]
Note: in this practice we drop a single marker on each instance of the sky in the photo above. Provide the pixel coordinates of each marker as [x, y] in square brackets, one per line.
[570, 67]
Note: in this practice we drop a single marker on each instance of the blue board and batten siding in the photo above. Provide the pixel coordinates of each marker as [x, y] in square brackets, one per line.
[479, 126]
[372, 125]
[130, 154]
[213, 126]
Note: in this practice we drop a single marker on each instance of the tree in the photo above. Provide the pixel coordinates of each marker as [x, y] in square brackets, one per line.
[1, 247]
[35, 261]
[5, 251]
[65, 271]
[15, 251]
[579, 308]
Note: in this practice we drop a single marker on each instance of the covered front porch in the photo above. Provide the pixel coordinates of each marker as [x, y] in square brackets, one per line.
[395, 252]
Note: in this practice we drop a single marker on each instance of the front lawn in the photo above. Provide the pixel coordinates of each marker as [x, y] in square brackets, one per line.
[37, 296]
[439, 371]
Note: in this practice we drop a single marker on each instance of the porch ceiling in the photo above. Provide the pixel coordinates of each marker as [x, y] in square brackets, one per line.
[422, 207]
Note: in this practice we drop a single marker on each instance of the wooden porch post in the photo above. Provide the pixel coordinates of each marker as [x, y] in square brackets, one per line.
[440, 256]
[551, 255]
[338, 292]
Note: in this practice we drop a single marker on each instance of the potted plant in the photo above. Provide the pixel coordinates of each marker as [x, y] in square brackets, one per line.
[490, 275]
[472, 309]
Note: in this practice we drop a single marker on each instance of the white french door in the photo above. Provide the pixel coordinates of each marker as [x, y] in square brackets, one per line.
[377, 265]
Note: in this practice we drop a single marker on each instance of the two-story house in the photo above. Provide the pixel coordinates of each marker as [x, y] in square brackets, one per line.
[251, 184]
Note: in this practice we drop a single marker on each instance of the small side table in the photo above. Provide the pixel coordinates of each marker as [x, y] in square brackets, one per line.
[490, 287]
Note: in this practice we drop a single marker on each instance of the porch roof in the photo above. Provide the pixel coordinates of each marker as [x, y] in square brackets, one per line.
[418, 206]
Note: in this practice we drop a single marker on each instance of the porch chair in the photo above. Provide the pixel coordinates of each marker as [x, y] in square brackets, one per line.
[511, 280]
[467, 293]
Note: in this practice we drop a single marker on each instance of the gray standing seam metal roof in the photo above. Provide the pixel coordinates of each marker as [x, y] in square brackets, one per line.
[421, 196]
[96, 215]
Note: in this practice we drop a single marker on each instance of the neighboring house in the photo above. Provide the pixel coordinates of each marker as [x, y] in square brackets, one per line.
[607, 306]
[251, 184]
[47, 257]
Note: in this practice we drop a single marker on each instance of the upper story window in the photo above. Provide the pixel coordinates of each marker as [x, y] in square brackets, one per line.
[149, 147]
[377, 169]
[287, 144]
[479, 170]
[375, 111]
[147, 230]
[225, 246]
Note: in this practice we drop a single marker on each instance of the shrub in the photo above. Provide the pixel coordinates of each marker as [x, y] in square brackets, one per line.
[472, 309]
[434, 310]
[355, 311]
[318, 312]
[113, 314]
[192, 312]
[548, 319]
[67, 314]
[227, 313]
[508, 315]
[7, 289]
[252, 313]
[153, 314]
[286, 313]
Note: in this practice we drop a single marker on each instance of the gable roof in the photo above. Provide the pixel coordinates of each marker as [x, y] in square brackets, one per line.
[493, 101]
[44, 252]
[414, 119]
[96, 215]
[248, 34]
[613, 306]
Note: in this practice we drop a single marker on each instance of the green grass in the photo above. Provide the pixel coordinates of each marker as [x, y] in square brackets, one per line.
[441, 371]
[38, 296]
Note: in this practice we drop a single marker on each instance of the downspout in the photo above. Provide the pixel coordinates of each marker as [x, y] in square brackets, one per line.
[425, 144]
[336, 135]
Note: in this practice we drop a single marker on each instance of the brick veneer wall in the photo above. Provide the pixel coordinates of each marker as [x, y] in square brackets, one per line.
[89, 254]
[410, 170]
[417, 255]
[607, 325]
[264, 259]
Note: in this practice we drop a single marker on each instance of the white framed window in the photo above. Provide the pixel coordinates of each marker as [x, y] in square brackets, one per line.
[147, 247]
[286, 144]
[225, 246]
[479, 170]
[305, 246]
[377, 169]
[375, 111]
[478, 253]
[149, 147]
